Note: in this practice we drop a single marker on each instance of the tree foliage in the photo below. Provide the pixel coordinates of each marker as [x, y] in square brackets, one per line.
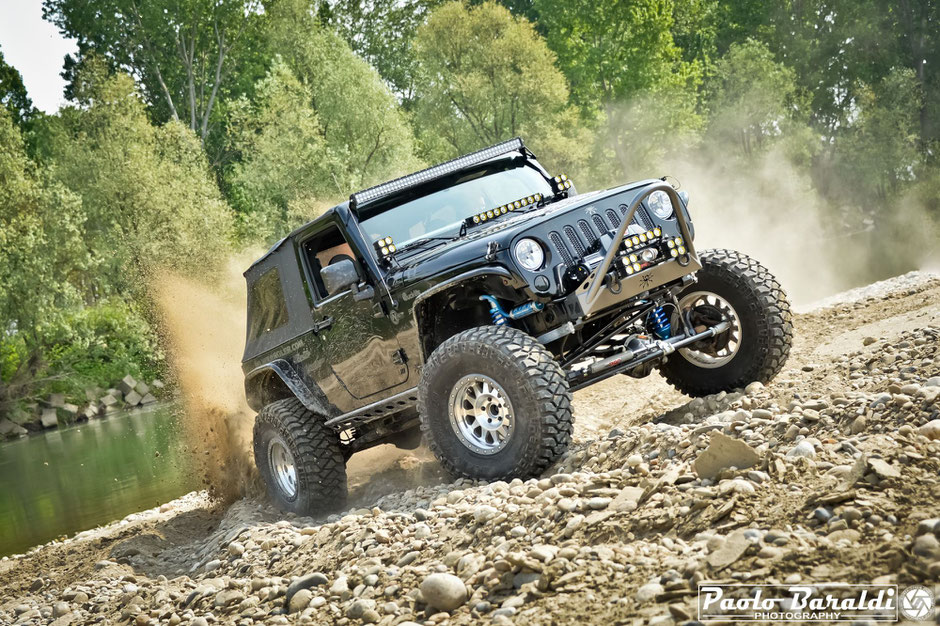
[364, 127]
[185, 54]
[147, 197]
[13, 95]
[486, 76]
[285, 159]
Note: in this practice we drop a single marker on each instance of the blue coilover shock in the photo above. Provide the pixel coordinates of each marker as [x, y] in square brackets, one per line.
[659, 323]
[496, 311]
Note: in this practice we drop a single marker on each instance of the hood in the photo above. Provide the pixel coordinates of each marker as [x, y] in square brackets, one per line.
[471, 250]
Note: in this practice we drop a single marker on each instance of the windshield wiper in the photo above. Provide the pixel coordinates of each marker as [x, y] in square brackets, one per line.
[420, 243]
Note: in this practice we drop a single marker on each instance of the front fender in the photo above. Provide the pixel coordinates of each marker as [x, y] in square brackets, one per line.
[279, 379]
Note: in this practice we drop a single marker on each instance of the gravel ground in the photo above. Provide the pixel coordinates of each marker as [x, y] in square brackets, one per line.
[828, 474]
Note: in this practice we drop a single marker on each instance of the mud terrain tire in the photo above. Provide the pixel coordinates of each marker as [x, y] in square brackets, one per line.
[529, 382]
[313, 451]
[765, 320]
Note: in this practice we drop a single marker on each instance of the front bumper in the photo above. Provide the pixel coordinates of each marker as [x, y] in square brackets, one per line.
[605, 287]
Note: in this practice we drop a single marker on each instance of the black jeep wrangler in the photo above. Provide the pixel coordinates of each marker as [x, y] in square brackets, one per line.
[471, 299]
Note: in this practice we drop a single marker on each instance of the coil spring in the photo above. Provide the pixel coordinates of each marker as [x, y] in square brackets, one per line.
[498, 318]
[659, 323]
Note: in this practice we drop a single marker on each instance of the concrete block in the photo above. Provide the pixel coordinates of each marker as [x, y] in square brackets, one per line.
[11, 429]
[127, 384]
[132, 399]
[142, 388]
[57, 400]
[148, 399]
[49, 419]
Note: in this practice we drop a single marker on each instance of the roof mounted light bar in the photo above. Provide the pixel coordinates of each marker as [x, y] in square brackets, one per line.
[418, 178]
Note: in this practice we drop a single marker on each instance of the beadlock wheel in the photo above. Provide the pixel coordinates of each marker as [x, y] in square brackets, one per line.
[481, 414]
[494, 404]
[732, 287]
[712, 354]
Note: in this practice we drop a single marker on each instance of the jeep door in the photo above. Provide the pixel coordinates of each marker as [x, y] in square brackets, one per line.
[359, 346]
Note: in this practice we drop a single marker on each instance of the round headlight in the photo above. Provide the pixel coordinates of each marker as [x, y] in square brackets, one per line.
[529, 254]
[660, 204]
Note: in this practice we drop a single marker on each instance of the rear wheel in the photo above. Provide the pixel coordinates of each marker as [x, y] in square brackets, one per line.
[299, 458]
[736, 289]
[494, 404]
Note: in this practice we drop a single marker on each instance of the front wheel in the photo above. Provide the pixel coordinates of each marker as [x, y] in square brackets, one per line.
[732, 288]
[299, 459]
[494, 404]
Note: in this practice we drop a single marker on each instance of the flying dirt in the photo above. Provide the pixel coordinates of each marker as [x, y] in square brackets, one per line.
[831, 475]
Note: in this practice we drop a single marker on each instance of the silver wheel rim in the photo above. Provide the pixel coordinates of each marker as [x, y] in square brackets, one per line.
[481, 414]
[721, 357]
[282, 467]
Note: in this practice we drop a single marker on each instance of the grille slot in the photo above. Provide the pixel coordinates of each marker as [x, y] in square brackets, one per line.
[600, 225]
[639, 217]
[613, 218]
[589, 235]
[575, 241]
[560, 246]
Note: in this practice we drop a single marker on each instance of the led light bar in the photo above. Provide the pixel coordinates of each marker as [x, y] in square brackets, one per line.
[418, 178]
[484, 216]
[640, 239]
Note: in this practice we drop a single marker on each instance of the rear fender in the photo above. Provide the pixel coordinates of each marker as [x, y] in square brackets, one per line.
[279, 379]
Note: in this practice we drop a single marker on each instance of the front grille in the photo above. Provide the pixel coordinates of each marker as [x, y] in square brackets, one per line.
[572, 247]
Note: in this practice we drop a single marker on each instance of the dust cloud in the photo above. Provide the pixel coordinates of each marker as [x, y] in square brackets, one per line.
[769, 210]
[204, 332]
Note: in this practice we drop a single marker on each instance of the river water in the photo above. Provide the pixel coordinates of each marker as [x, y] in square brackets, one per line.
[63, 481]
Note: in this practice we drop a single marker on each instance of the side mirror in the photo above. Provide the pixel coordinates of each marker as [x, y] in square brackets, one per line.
[339, 276]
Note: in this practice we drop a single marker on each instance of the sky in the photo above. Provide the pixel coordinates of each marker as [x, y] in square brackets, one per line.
[35, 48]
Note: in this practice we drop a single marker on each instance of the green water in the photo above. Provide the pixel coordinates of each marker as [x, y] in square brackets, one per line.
[67, 480]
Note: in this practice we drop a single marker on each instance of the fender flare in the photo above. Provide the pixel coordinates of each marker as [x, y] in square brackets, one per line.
[309, 394]
[495, 271]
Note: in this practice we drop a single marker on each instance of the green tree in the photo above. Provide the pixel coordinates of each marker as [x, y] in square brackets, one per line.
[881, 150]
[13, 95]
[185, 54]
[382, 32]
[364, 127]
[621, 58]
[284, 158]
[41, 229]
[486, 76]
[755, 99]
[148, 199]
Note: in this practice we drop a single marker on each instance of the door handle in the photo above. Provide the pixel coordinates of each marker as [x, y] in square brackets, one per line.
[323, 324]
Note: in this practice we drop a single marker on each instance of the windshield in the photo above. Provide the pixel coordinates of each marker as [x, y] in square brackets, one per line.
[441, 213]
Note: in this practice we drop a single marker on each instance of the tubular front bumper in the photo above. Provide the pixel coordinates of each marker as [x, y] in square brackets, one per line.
[596, 294]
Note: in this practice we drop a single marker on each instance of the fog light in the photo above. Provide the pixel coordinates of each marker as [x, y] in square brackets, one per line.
[648, 255]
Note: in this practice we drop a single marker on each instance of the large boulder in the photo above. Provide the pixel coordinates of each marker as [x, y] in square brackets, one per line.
[444, 592]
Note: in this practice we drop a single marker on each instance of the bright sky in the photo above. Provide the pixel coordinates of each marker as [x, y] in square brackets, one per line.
[35, 48]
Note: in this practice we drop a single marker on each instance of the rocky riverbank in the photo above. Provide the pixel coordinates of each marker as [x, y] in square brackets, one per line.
[58, 409]
[829, 474]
